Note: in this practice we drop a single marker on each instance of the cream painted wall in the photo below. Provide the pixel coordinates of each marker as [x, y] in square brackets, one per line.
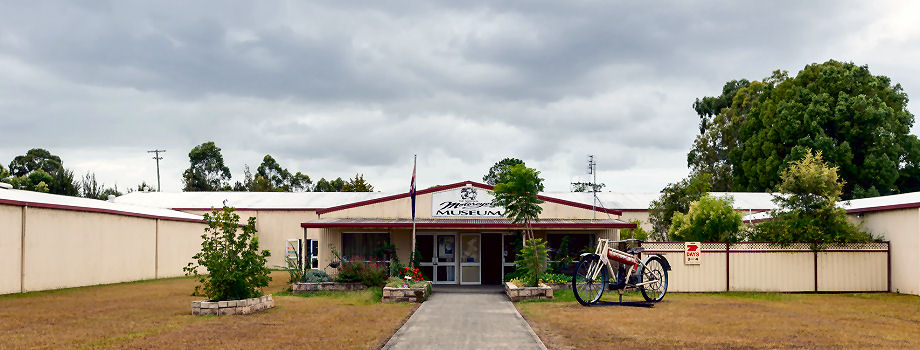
[276, 227]
[642, 216]
[401, 208]
[71, 248]
[902, 228]
[10, 248]
[177, 242]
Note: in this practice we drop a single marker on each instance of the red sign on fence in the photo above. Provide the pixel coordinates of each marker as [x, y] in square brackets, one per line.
[692, 253]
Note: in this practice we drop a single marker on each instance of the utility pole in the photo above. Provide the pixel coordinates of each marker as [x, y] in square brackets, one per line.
[156, 156]
[592, 170]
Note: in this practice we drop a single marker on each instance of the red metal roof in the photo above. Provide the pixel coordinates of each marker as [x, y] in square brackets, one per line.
[465, 223]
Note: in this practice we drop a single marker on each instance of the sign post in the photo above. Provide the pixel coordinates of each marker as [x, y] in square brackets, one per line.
[692, 253]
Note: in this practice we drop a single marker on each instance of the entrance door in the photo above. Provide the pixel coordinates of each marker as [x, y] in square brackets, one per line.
[438, 257]
[492, 258]
[470, 258]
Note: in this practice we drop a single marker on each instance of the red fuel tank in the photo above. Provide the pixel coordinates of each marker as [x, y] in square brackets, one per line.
[623, 258]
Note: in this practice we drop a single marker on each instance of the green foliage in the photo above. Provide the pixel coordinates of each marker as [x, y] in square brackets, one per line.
[531, 261]
[858, 121]
[807, 210]
[357, 184]
[718, 136]
[518, 194]
[230, 253]
[371, 273]
[37, 181]
[415, 259]
[676, 198]
[497, 171]
[206, 171]
[710, 219]
[315, 276]
[39, 170]
[329, 186]
[637, 233]
[35, 159]
[587, 187]
[271, 177]
[556, 278]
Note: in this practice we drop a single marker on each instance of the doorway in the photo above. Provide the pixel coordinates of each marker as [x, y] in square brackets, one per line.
[438, 254]
[491, 258]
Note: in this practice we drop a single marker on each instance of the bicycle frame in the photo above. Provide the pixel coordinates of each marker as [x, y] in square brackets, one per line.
[603, 246]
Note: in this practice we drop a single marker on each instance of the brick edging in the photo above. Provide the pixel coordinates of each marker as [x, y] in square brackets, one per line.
[232, 307]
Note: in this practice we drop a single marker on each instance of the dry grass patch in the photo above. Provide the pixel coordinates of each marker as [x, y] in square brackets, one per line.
[733, 320]
[157, 315]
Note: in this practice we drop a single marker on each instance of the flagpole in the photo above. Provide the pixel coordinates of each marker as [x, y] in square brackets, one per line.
[412, 201]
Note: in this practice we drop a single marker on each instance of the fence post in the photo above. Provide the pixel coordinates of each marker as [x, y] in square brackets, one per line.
[888, 254]
[815, 252]
[727, 269]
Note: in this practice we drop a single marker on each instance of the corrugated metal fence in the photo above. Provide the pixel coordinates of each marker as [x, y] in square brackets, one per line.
[767, 267]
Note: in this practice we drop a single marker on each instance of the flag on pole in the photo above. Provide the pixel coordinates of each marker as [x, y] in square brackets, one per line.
[412, 188]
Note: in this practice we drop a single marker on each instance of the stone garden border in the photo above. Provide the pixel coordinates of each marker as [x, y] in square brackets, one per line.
[232, 307]
[311, 287]
[406, 295]
[516, 293]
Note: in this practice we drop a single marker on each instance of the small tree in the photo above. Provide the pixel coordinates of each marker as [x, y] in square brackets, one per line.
[230, 253]
[675, 198]
[637, 233]
[518, 194]
[807, 210]
[709, 219]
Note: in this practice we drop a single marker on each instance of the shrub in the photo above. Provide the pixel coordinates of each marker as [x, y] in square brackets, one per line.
[315, 276]
[231, 255]
[370, 273]
[807, 210]
[532, 261]
[710, 219]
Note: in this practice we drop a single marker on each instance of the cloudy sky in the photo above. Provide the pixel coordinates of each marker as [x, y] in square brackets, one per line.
[334, 88]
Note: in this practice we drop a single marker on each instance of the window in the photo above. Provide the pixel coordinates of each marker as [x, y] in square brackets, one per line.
[569, 245]
[364, 245]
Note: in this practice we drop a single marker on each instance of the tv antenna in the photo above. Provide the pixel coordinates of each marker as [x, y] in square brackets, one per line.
[156, 156]
[592, 170]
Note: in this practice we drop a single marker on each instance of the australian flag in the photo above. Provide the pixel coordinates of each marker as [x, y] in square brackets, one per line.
[412, 190]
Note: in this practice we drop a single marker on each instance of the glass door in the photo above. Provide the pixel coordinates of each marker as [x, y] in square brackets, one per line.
[438, 257]
[470, 263]
[445, 271]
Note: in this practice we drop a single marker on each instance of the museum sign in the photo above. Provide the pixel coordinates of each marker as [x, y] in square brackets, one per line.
[466, 201]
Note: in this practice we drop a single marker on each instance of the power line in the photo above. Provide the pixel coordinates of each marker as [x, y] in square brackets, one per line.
[156, 156]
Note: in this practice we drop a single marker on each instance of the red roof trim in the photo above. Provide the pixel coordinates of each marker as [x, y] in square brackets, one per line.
[458, 185]
[92, 210]
[461, 225]
[255, 209]
[885, 207]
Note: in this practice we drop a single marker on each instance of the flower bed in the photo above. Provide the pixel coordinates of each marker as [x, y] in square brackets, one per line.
[416, 293]
[516, 293]
[232, 307]
[311, 287]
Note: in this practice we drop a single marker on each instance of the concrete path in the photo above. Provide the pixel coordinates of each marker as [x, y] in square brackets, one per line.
[466, 318]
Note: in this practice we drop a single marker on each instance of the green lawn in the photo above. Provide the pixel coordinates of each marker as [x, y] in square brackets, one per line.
[730, 320]
[157, 314]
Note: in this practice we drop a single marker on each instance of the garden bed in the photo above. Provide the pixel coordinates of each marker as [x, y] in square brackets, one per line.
[516, 293]
[232, 307]
[311, 287]
[416, 293]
